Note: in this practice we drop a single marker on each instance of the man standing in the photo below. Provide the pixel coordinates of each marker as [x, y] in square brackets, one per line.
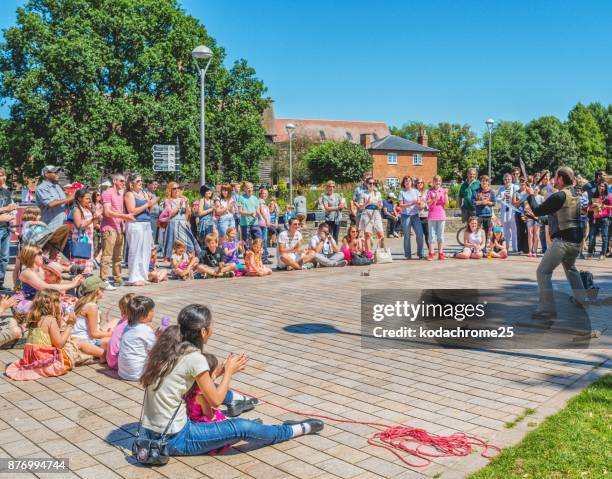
[7, 206]
[51, 199]
[112, 229]
[248, 205]
[563, 210]
[467, 194]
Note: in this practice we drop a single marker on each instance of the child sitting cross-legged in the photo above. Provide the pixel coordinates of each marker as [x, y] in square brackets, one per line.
[138, 338]
[231, 247]
[183, 265]
[112, 352]
[212, 260]
[498, 243]
[253, 260]
[473, 240]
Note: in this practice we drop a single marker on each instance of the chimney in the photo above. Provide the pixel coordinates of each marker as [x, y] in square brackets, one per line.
[366, 140]
[422, 138]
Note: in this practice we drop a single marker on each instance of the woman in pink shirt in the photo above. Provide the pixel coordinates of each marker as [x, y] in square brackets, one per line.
[436, 199]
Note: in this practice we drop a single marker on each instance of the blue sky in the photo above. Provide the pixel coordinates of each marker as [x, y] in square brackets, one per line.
[395, 61]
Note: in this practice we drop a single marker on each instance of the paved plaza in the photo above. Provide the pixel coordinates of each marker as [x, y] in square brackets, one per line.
[89, 416]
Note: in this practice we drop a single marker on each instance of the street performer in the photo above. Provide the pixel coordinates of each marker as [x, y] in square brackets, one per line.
[563, 208]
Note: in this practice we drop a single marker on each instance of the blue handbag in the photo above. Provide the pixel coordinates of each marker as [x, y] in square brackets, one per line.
[80, 249]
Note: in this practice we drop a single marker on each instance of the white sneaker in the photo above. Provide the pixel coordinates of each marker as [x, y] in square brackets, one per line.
[111, 287]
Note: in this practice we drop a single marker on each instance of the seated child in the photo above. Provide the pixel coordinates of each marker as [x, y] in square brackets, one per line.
[198, 409]
[182, 264]
[473, 239]
[138, 338]
[212, 260]
[231, 247]
[253, 260]
[498, 244]
[43, 353]
[112, 353]
[156, 275]
[89, 334]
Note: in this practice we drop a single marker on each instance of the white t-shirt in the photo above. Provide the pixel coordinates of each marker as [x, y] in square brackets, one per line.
[289, 241]
[136, 343]
[409, 197]
[327, 247]
[160, 404]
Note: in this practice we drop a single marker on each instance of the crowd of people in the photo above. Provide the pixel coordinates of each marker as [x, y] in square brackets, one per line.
[226, 233]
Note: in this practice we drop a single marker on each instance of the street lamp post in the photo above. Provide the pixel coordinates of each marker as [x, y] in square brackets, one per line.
[290, 127]
[205, 54]
[490, 122]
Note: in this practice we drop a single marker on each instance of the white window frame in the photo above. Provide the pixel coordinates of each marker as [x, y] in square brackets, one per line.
[391, 155]
[392, 179]
[417, 159]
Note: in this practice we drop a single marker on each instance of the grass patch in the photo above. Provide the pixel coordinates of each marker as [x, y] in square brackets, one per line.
[574, 443]
[517, 419]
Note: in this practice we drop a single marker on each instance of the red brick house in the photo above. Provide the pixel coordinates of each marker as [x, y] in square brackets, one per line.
[395, 157]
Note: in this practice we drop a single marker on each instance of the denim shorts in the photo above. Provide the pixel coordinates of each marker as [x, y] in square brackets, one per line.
[436, 230]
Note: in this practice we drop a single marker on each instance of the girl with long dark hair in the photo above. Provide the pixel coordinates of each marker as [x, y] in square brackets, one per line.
[175, 363]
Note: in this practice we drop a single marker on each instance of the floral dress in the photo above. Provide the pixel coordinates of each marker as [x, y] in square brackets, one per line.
[76, 235]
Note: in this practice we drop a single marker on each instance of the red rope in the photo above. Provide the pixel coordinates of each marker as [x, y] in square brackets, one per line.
[398, 439]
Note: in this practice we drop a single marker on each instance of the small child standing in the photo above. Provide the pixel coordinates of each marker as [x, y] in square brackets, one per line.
[473, 239]
[112, 353]
[485, 200]
[182, 264]
[253, 260]
[498, 243]
[436, 199]
[156, 275]
[138, 338]
[212, 260]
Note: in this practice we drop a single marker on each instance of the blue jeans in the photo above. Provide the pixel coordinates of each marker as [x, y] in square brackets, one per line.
[223, 224]
[413, 221]
[249, 233]
[5, 250]
[264, 239]
[600, 225]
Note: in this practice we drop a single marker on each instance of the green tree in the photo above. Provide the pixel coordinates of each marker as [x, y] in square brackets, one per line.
[457, 143]
[603, 116]
[549, 145]
[589, 139]
[343, 162]
[509, 138]
[95, 83]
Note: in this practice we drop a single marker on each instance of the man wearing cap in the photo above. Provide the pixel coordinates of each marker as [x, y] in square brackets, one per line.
[51, 199]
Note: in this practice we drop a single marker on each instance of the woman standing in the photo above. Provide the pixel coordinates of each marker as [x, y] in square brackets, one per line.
[263, 220]
[176, 362]
[224, 211]
[138, 233]
[81, 221]
[205, 212]
[601, 206]
[408, 203]
[177, 213]
[423, 209]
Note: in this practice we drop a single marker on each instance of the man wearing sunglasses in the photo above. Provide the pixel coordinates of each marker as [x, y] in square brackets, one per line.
[113, 217]
[51, 198]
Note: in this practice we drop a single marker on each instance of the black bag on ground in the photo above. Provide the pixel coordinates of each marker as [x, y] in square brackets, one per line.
[360, 259]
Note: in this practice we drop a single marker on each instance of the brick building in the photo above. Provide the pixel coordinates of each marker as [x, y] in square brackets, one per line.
[395, 157]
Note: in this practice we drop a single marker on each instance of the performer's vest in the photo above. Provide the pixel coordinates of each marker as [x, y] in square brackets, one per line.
[568, 216]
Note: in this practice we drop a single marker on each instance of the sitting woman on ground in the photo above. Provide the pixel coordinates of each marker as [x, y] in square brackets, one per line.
[43, 353]
[473, 239]
[90, 335]
[353, 246]
[175, 363]
[36, 276]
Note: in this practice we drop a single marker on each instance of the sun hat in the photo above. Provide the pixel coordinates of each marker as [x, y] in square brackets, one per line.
[91, 284]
